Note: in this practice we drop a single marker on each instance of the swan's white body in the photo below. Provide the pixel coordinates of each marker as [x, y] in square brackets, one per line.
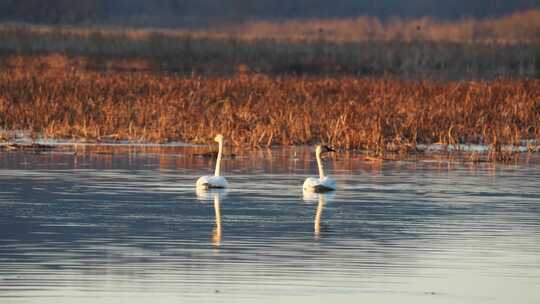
[321, 184]
[215, 181]
[209, 182]
[324, 184]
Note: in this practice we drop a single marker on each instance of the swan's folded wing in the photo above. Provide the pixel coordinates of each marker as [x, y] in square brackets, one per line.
[218, 182]
[203, 181]
[311, 182]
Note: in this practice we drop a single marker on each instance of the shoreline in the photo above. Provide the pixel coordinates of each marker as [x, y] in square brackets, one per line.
[466, 153]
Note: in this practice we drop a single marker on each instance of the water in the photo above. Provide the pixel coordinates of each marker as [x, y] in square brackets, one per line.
[125, 225]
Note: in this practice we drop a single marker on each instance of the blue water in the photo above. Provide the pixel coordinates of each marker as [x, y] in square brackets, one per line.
[125, 225]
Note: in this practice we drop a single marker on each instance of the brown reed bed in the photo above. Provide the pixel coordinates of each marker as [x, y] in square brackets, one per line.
[375, 114]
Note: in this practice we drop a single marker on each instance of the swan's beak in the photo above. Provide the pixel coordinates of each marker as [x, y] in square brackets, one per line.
[218, 138]
[328, 149]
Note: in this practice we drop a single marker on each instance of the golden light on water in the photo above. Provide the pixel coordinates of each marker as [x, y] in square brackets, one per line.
[318, 215]
[216, 235]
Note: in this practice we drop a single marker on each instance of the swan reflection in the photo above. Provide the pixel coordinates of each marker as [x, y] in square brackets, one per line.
[216, 195]
[321, 199]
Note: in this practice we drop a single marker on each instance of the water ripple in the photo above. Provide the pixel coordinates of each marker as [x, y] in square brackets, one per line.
[134, 228]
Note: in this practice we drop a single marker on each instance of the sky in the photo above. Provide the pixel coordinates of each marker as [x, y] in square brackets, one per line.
[202, 13]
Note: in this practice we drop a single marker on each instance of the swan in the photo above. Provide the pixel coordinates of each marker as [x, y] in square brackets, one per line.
[216, 181]
[323, 183]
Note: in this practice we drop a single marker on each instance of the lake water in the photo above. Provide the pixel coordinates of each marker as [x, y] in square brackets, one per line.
[125, 225]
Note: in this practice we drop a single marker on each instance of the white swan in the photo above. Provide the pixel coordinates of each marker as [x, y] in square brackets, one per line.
[323, 183]
[216, 181]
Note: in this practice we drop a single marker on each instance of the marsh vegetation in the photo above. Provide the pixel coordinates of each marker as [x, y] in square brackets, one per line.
[354, 84]
[256, 110]
[413, 49]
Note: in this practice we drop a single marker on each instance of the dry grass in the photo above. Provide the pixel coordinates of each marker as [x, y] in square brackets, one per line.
[379, 115]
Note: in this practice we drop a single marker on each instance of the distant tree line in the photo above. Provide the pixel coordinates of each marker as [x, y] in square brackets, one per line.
[200, 53]
[201, 13]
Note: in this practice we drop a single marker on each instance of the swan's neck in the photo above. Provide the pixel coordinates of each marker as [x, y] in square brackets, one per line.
[319, 163]
[218, 161]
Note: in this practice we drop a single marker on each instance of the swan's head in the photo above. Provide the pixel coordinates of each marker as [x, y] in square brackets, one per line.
[218, 138]
[323, 149]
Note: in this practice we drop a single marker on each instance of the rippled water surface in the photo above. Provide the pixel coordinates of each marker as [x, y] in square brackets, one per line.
[125, 225]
